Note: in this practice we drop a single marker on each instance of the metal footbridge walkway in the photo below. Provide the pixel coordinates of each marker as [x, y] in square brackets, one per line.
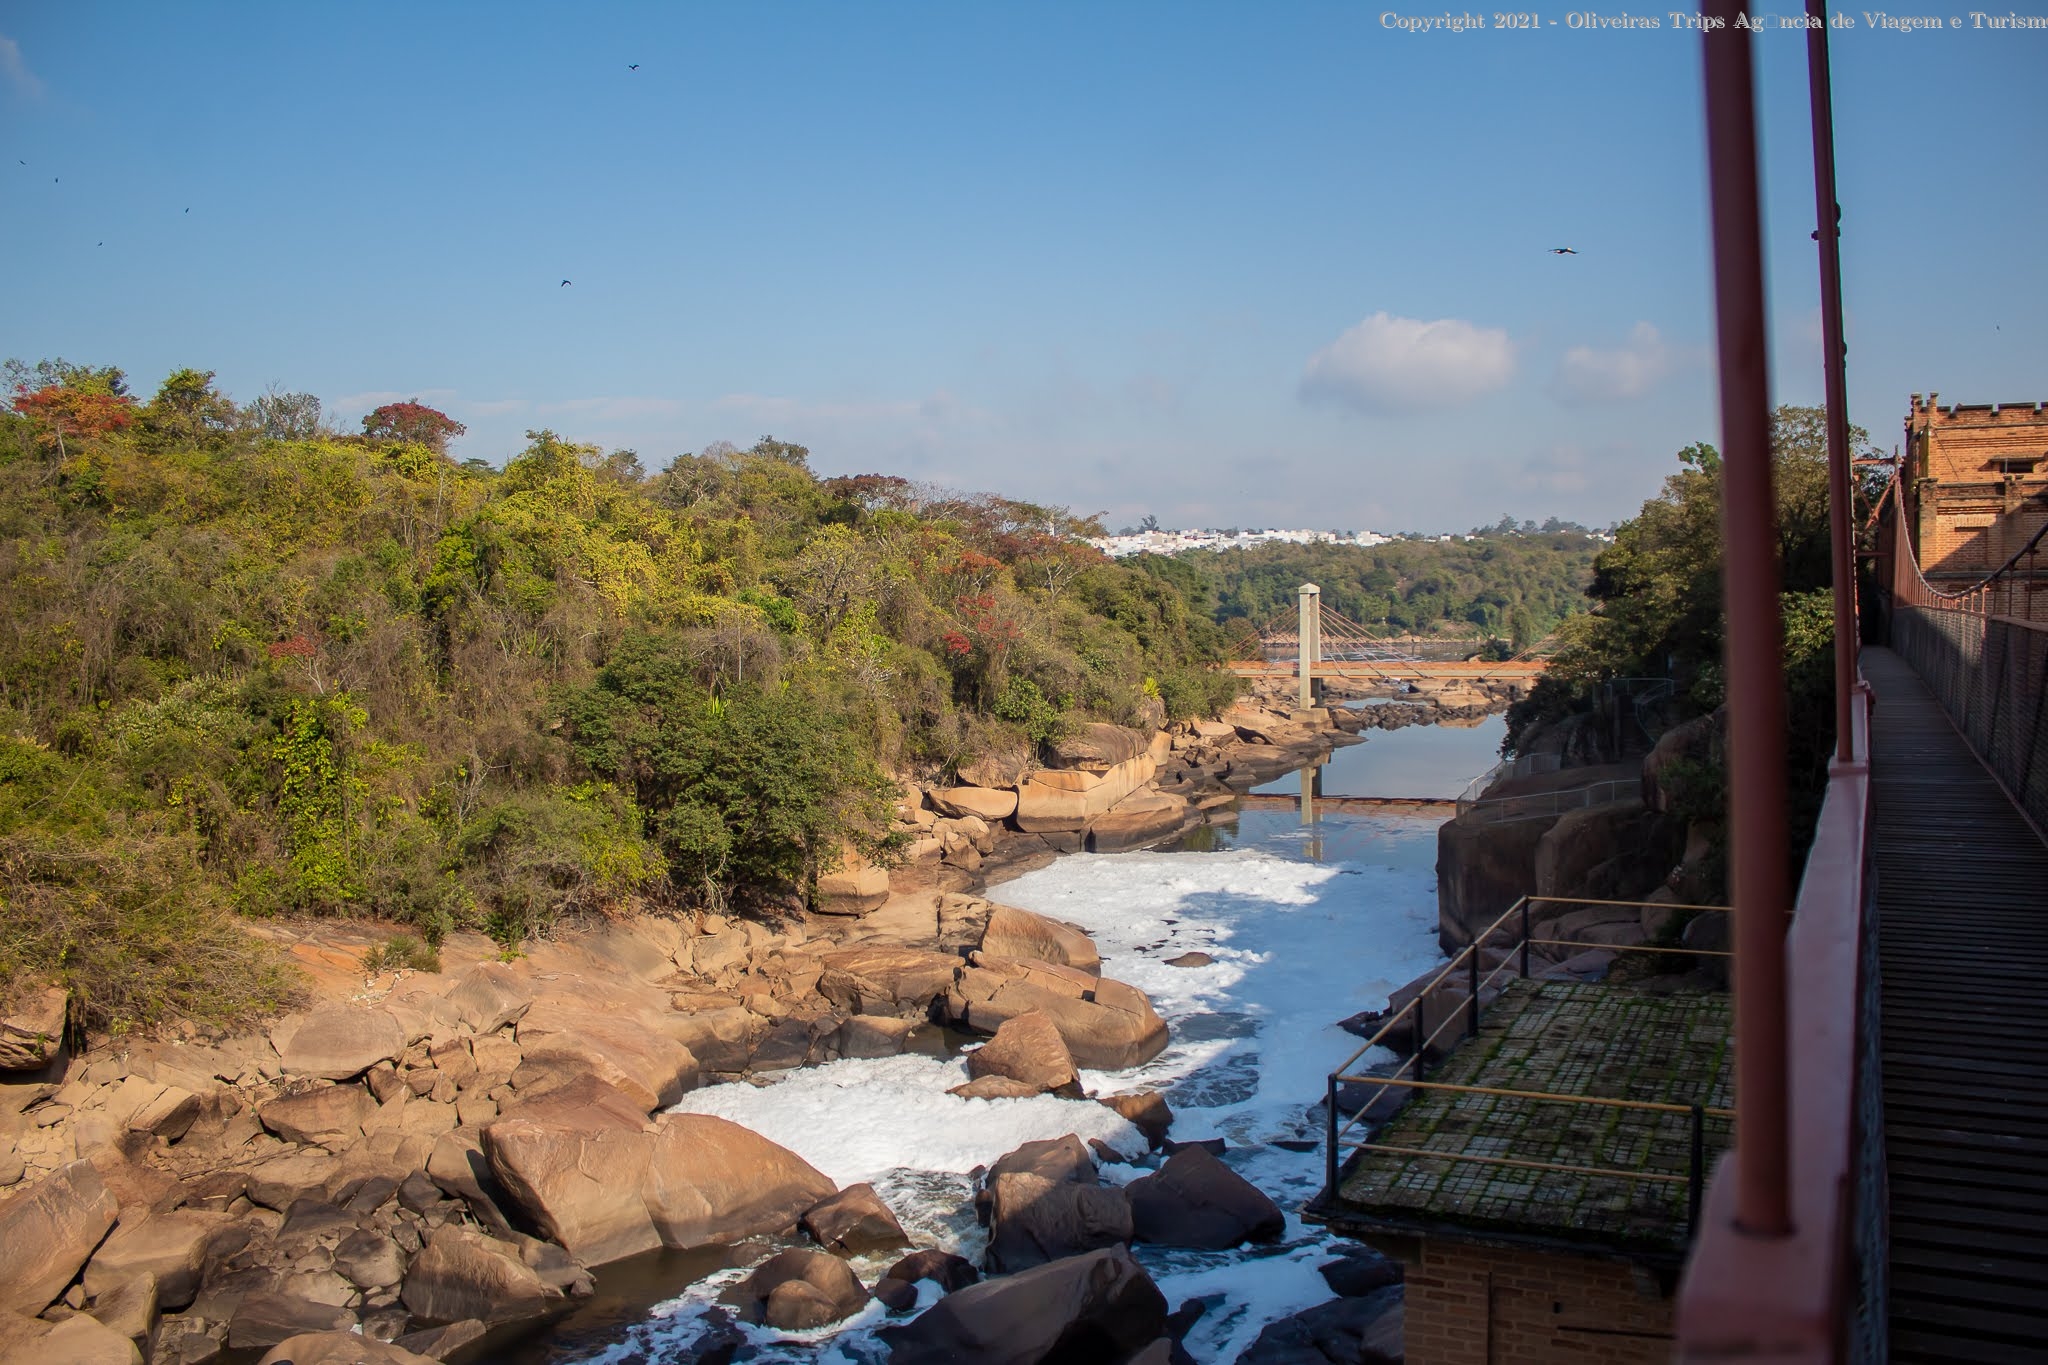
[1962, 931]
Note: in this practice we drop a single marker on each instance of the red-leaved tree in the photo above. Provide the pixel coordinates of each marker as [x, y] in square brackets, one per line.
[64, 411]
[413, 422]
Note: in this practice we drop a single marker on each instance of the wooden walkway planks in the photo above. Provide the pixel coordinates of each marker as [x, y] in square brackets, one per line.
[1962, 891]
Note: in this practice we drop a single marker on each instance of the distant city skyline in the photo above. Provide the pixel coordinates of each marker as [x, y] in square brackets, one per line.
[1223, 266]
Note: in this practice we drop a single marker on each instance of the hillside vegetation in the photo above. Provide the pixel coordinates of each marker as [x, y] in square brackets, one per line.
[1505, 583]
[251, 666]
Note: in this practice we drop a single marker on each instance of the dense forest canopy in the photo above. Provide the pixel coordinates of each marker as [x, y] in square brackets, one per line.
[252, 664]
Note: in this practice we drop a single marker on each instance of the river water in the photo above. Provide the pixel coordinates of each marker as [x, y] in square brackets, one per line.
[1306, 925]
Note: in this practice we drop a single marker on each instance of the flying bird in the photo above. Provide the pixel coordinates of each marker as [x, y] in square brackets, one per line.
[632, 66]
[1563, 251]
[188, 210]
[564, 284]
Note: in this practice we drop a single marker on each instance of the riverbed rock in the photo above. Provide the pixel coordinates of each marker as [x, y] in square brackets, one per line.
[1033, 1220]
[852, 1222]
[48, 1231]
[1358, 1270]
[1367, 1331]
[32, 1033]
[797, 1290]
[1194, 1200]
[713, 1182]
[942, 1268]
[1147, 1110]
[266, 1317]
[580, 1177]
[1054, 800]
[1617, 851]
[461, 1273]
[341, 1348]
[996, 1088]
[1025, 935]
[855, 888]
[987, 803]
[489, 996]
[1098, 1306]
[625, 1050]
[77, 1340]
[172, 1246]
[902, 983]
[871, 1035]
[720, 1039]
[1028, 1049]
[331, 1116]
[1143, 817]
[1107, 1025]
[341, 1042]
[1001, 765]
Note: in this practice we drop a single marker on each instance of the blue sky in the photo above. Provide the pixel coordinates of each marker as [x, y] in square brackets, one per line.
[1226, 264]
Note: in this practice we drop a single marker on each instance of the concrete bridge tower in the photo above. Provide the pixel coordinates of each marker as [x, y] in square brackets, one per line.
[1311, 651]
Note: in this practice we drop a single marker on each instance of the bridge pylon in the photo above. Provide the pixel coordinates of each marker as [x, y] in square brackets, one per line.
[1310, 652]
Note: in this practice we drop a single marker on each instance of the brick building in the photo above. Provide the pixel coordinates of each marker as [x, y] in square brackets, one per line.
[1974, 488]
[1540, 1200]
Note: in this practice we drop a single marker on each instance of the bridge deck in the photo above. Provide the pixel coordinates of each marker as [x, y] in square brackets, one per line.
[1962, 889]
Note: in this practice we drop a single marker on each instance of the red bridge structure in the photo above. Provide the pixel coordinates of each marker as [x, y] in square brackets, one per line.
[1882, 1188]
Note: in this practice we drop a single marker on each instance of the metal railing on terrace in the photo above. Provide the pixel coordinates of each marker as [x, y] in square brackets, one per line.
[1464, 975]
[1500, 810]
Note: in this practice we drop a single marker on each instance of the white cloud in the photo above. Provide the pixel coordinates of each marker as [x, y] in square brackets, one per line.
[1589, 374]
[1390, 364]
[15, 67]
[616, 408]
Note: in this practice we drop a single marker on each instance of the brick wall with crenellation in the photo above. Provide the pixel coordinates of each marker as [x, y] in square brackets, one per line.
[1468, 1304]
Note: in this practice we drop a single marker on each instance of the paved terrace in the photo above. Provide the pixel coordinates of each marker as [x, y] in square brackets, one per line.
[1615, 1042]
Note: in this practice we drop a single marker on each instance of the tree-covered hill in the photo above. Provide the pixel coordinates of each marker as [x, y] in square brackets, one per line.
[251, 665]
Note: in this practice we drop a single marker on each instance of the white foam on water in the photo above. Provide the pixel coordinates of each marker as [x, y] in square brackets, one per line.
[1297, 945]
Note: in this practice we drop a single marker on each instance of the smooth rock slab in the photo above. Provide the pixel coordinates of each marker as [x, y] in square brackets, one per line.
[1100, 1306]
[1194, 1200]
[341, 1042]
[1029, 1049]
[1107, 1025]
[341, 1348]
[171, 1246]
[48, 1230]
[854, 1221]
[1025, 934]
[461, 1273]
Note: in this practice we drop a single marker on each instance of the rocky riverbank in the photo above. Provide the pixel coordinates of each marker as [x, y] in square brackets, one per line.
[437, 1161]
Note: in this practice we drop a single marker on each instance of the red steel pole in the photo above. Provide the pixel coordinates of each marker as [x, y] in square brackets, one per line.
[1750, 580]
[1828, 233]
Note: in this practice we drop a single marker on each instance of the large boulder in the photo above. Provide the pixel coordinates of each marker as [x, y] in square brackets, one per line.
[720, 1039]
[171, 1246]
[1058, 1159]
[32, 1033]
[1055, 800]
[1028, 936]
[852, 1222]
[489, 996]
[461, 1273]
[989, 803]
[1033, 1220]
[1620, 851]
[265, 1317]
[1358, 1331]
[606, 1190]
[78, 1340]
[1096, 747]
[331, 1116]
[626, 1050]
[341, 1348]
[1194, 1200]
[1143, 817]
[48, 1230]
[1001, 766]
[1028, 1049]
[797, 1290]
[341, 1042]
[1147, 1110]
[1107, 1025]
[900, 982]
[1098, 1306]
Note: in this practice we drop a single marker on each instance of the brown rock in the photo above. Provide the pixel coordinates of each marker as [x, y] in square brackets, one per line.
[710, 1181]
[901, 982]
[341, 1348]
[77, 1340]
[852, 1222]
[1034, 1220]
[369, 1260]
[1106, 1024]
[720, 1039]
[331, 1116]
[996, 1088]
[1190, 960]
[130, 1308]
[872, 1035]
[171, 1246]
[1096, 747]
[1100, 1306]
[32, 1033]
[580, 1178]
[1002, 766]
[1147, 1110]
[48, 1230]
[986, 803]
[489, 996]
[463, 1274]
[1028, 1048]
[626, 1051]
[264, 1318]
[170, 1115]
[442, 1343]
[340, 1042]
[797, 1290]
[497, 1055]
[1140, 818]
[1024, 935]
[1194, 1200]
[948, 1271]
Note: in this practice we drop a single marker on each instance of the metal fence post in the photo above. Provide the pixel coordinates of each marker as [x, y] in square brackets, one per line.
[1421, 1035]
[1472, 979]
[1525, 938]
[1696, 1177]
[1330, 1157]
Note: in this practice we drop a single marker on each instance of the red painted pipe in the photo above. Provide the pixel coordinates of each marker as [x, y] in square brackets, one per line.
[1759, 877]
[1828, 213]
